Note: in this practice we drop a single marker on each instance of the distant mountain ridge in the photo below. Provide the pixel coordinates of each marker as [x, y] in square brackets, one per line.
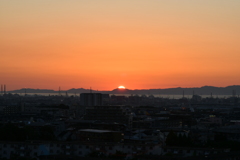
[205, 90]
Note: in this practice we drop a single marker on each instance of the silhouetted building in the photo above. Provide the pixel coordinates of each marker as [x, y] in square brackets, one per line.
[91, 99]
[108, 114]
[95, 135]
[196, 98]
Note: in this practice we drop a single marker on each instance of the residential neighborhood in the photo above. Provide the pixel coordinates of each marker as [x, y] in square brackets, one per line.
[95, 125]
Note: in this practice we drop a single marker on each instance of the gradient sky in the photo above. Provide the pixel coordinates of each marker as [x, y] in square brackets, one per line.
[106, 43]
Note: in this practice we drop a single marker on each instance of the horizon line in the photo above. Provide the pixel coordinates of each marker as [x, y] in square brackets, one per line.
[117, 88]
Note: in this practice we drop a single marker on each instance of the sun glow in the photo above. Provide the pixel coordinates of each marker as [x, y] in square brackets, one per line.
[121, 87]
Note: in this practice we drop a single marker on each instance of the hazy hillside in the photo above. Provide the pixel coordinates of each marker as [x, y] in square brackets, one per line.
[205, 90]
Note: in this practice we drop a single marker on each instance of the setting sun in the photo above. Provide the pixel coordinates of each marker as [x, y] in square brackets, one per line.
[141, 44]
[121, 87]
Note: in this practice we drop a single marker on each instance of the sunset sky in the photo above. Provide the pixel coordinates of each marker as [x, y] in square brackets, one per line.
[103, 44]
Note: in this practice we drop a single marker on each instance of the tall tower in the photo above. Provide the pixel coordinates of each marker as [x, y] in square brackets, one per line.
[59, 91]
[1, 89]
[5, 89]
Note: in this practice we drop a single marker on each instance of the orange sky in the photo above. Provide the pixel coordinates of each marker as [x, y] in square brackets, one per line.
[104, 44]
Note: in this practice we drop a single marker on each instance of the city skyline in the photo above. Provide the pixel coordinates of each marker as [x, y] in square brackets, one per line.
[105, 44]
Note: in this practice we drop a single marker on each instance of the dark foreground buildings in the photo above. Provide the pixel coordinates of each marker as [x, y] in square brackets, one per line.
[95, 126]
